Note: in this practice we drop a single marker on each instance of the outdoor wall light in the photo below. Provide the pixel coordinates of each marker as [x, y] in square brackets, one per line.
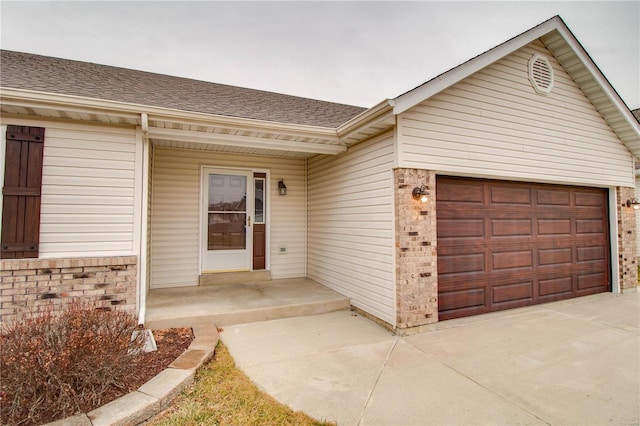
[420, 193]
[633, 202]
[282, 188]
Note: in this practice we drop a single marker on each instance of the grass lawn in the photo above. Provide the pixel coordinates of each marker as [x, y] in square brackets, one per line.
[223, 395]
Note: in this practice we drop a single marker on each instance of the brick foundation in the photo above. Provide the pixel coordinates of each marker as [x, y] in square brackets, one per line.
[627, 249]
[28, 285]
[416, 261]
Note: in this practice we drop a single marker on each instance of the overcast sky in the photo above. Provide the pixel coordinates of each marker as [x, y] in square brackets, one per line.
[350, 52]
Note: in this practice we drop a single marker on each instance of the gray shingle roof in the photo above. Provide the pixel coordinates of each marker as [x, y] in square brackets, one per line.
[62, 76]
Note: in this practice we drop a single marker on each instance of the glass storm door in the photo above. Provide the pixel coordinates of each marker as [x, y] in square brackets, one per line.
[227, 210]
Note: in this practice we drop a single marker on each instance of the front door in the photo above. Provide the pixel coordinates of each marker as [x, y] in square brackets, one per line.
[227, 215]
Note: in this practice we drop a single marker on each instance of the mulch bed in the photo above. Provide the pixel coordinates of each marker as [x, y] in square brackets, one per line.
[171, 344]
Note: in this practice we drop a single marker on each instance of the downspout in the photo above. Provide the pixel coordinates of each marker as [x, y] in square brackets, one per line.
[144, 225]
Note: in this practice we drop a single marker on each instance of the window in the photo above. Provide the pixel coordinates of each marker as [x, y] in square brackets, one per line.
[21, 192]
[259, 184]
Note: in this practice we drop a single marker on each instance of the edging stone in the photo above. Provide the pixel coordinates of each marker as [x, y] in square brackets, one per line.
[167, 384]
[131, 409]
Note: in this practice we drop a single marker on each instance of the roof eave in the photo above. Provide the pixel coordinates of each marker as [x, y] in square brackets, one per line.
[620, 118]
[30, 98]
[367, 124]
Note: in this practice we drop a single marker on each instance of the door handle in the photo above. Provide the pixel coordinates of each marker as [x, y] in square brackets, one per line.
[249, 221]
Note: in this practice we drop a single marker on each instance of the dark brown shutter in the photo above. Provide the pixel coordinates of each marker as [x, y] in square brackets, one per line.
[21, 192]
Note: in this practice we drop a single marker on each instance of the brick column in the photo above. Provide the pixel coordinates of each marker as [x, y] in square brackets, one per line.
[416, 261]
[627, 249]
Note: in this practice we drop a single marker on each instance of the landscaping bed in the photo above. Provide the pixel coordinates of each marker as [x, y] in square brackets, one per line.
[57, 364]
[171, 344]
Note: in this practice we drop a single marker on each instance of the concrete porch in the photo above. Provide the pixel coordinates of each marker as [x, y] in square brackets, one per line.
[240, 303]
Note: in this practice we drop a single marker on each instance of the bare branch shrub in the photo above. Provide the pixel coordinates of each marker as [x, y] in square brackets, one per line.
[56, 364]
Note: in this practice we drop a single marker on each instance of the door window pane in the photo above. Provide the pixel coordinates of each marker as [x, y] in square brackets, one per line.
[227, 193]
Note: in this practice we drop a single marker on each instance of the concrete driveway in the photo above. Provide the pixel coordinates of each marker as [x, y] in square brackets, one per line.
[564, 363]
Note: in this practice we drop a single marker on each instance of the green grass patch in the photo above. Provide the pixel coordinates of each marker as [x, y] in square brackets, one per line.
[224, 395]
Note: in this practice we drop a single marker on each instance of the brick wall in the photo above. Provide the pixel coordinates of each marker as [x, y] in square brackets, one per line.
[28, 285]
[627, 243]
[416, 262]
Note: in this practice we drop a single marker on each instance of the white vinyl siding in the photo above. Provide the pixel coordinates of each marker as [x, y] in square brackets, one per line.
[493, 124]
[351, 227]
[175, 213]
[88, 189]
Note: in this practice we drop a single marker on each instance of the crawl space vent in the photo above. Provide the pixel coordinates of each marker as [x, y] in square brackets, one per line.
[541, 74]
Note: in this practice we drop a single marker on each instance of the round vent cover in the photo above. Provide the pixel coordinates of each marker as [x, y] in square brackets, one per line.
[540, 74]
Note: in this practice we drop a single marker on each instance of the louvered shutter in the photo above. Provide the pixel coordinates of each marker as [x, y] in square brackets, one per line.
[21, 192]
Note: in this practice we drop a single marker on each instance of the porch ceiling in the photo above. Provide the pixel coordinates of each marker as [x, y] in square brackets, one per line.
[229, 149]
[260, 140]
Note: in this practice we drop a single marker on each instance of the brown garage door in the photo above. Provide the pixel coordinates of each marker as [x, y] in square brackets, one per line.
[503, 245]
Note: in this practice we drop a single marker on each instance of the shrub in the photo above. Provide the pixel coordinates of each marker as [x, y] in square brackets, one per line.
[56, 364]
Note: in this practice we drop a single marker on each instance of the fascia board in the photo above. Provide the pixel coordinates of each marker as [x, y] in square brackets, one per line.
[453, 76]
[365, 116]
[371, 117]
[29, 98]
[34, 99]
[602, 81]
[246, 124]
[244, 141]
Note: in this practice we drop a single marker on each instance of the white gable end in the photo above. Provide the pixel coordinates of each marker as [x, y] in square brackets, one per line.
[495, 124]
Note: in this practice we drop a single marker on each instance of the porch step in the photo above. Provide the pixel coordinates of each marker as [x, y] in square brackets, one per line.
[240, 303]
[244, 277]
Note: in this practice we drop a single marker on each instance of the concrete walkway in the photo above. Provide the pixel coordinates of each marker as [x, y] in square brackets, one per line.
[564, 363]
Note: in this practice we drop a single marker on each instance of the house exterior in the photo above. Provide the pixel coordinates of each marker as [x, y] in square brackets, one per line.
[525, 156]
[636, 113]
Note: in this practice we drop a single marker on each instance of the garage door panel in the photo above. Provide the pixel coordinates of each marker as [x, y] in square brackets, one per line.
[461, 227]
[554, 226]
[461, 263]
[531, 243]
[589, 199]
[589, 226]
[591, 281]
[588, 254]
[556, 286]
[548, 197]
[512, 292]
[467, 193]
[510, 196]
[511, 260]
[511, 227]
[470, 299]
[555, 256]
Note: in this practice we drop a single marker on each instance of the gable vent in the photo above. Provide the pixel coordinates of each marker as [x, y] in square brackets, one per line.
[540, 74]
